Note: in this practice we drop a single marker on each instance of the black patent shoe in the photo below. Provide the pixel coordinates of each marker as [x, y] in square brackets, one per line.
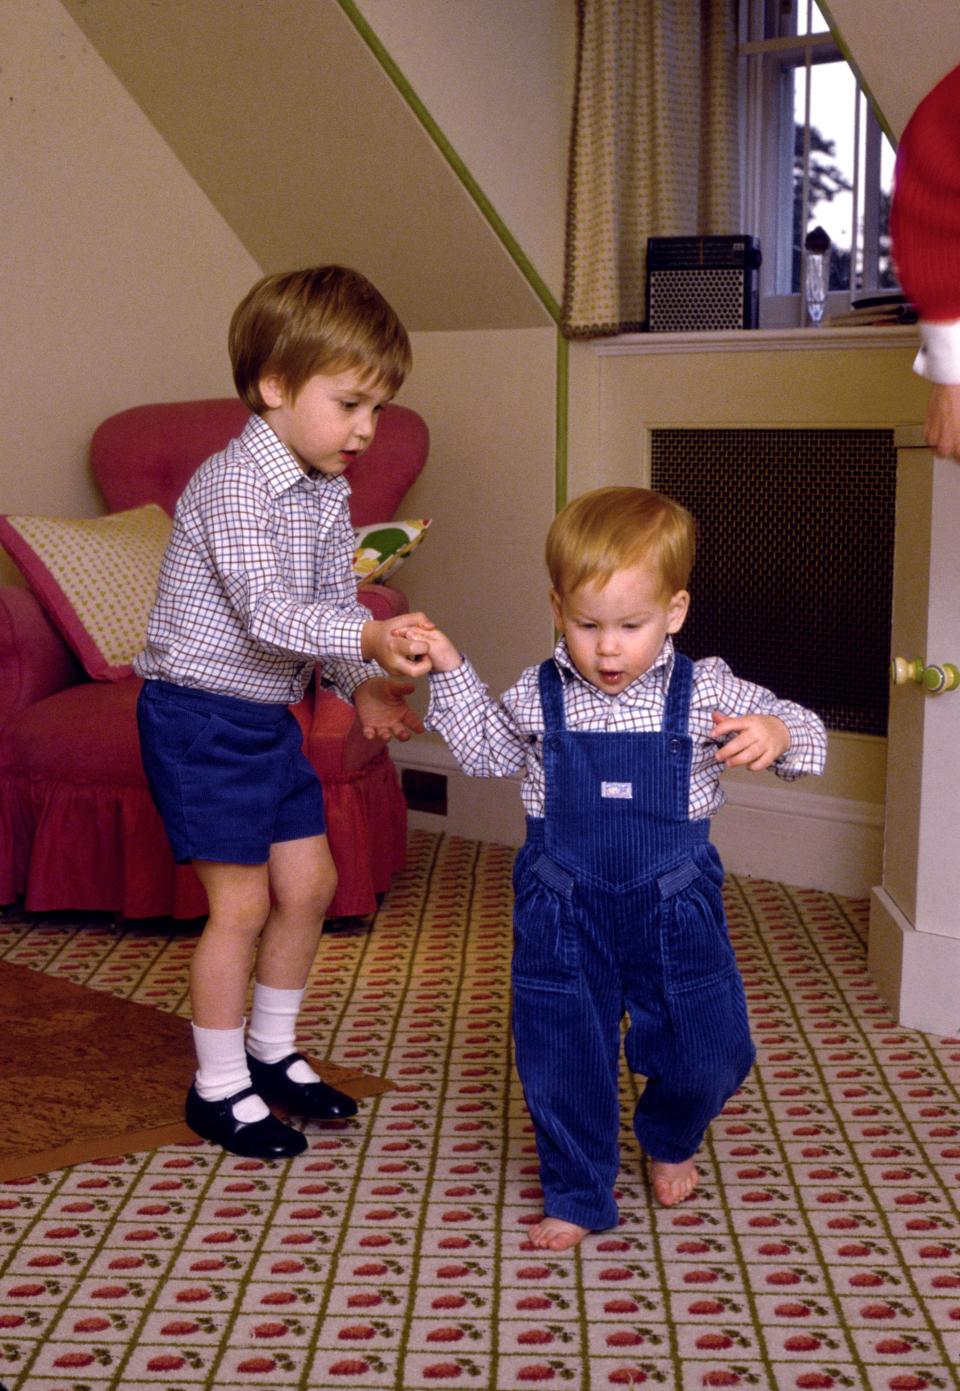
[313, 1099]
[264, 1139]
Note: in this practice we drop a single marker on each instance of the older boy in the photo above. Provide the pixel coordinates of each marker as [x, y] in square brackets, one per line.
[255, 588]
[618, 890]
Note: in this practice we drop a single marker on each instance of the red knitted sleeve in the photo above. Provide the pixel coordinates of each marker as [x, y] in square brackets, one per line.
[925, 217]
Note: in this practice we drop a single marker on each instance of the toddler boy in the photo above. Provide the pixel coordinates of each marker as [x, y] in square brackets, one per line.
[620, 741]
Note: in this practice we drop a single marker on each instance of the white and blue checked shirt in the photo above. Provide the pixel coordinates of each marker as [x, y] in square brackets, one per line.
[256, 585]
[500, 738]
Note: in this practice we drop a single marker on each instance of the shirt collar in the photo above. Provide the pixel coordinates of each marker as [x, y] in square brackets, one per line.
[658, 673]
[277, 463]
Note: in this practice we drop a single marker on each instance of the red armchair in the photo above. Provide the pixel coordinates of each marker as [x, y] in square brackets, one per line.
[77, 827]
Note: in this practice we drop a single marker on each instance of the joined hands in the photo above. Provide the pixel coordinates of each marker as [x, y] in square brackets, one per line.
[398, 644]
[409, 645]
[438, 651]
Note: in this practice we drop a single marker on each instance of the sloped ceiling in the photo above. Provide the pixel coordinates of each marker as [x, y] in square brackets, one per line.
[290, 126]
[900, 50]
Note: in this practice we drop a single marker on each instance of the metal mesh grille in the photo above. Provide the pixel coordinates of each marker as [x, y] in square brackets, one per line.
[696, 299]
[794, 575]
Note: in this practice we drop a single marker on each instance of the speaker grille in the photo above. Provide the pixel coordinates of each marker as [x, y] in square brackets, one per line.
[696, 299]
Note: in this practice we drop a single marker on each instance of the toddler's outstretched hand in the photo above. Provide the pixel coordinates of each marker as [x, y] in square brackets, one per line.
[758, 740]
[392, 643]
[442, 654]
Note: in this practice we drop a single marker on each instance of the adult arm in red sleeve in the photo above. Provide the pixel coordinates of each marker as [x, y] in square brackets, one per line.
[925, 232]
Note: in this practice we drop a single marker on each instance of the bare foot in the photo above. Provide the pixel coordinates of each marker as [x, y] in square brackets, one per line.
[552, 1234]
[672, 1183]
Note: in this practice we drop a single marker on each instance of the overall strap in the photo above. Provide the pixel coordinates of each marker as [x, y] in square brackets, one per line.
[551, 696]
[677, 709]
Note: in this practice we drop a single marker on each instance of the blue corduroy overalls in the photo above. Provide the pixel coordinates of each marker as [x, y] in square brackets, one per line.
[618, 908]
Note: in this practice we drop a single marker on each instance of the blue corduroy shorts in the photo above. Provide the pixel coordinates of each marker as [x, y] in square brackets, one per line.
[228, 777]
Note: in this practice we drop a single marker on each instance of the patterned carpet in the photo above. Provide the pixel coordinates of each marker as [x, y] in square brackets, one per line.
[822, 1249]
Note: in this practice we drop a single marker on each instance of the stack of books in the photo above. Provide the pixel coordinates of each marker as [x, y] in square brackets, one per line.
[873, 311]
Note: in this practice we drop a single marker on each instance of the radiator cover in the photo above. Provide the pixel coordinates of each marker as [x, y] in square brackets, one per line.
[793, 582]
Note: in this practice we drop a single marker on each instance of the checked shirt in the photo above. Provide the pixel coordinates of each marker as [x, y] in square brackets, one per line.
[256, 585]
[503, 738]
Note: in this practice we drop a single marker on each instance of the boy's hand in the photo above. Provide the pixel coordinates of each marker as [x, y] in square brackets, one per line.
[441, 651]
[384, 641]
[382, 711]
[759, 740]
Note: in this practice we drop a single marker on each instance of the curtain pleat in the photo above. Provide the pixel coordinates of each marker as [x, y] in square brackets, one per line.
[654, 148]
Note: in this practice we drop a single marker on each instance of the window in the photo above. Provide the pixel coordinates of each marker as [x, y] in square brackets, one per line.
[816, 156]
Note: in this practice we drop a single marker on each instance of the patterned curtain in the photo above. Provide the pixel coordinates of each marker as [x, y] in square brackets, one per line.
[654, 151]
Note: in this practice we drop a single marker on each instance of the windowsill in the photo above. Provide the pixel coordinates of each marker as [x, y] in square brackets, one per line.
[747, 340]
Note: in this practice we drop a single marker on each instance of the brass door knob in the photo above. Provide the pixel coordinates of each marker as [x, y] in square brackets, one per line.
[903, 671]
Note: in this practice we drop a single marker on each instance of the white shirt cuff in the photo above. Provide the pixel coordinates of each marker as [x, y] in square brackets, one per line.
[939, 358]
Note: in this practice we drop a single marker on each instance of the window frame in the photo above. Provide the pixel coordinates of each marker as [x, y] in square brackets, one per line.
[768, 122]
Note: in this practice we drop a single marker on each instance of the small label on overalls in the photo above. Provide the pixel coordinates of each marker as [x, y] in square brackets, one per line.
[617, 789]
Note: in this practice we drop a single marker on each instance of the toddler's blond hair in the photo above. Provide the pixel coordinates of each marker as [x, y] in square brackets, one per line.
[612, 528]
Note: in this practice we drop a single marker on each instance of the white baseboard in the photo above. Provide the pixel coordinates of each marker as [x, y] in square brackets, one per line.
[771, 830]
[767, 830]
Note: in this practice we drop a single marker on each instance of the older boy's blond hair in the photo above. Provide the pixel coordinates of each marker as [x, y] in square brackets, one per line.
[612, 528]
[323, 319]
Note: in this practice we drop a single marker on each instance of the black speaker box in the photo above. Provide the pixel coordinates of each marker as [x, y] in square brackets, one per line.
[702, 283]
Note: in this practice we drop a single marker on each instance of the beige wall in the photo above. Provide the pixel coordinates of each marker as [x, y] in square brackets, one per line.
[290, 124]
[489, 488]
[497, 77]
[119, 276]
[498, 80]
[488, 398]
[900, 50]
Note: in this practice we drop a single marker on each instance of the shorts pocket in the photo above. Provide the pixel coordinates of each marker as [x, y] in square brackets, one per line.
[194, 736]
[171, 733]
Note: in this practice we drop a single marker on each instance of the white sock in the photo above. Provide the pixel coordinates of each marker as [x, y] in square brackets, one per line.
[273, 1028]
[222, 1071]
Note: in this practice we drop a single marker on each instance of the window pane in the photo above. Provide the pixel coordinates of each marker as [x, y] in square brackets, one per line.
[801, 17]
[813, 138]
[886, 276]
[874, 264]
[829, 166]
[780, 17]
[818, 24]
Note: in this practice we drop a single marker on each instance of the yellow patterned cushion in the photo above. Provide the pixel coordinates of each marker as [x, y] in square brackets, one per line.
[96, 577]
[383, 546]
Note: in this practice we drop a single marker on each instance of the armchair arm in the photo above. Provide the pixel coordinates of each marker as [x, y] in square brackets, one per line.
[332, 738]
[382, 600]
[34, 660]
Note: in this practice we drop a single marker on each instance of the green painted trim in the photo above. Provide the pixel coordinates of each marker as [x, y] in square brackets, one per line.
[510, 243]
[844, 48]
[506, 237]
[563, 404]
